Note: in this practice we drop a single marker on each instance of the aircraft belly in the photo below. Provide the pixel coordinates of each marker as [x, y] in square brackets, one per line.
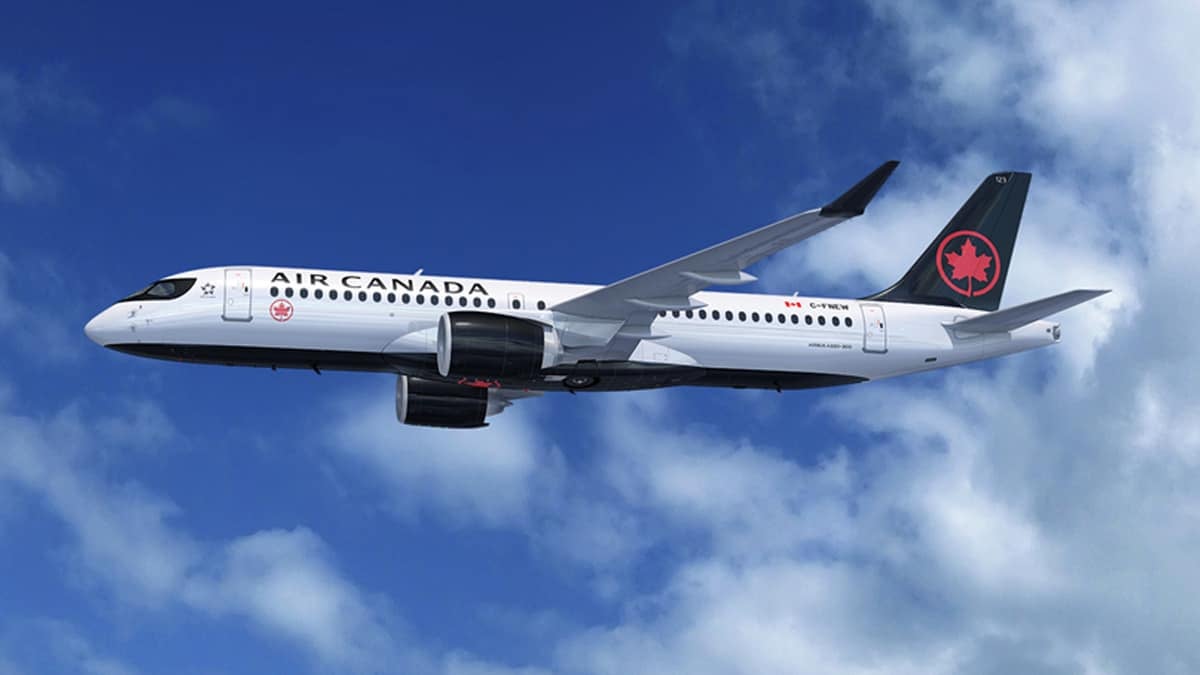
[775, 350]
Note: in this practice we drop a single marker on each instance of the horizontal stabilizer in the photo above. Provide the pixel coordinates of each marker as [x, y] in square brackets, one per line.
[1012, 318]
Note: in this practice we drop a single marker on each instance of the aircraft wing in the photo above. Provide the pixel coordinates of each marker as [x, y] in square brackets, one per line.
[669, 286]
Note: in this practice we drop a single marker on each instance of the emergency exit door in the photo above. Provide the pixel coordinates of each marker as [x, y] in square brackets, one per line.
[237, 295]
[874, 329]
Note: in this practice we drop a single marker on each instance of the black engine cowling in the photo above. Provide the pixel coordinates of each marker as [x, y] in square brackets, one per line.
[427, 403]
[480, 344]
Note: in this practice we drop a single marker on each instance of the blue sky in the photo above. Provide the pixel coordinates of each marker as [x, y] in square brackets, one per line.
[1034, 514]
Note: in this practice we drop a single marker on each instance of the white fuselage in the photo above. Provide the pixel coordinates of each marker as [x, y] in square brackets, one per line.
[264, 311]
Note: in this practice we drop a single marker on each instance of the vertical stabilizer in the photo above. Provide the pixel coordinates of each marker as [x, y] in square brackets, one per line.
[967, 263]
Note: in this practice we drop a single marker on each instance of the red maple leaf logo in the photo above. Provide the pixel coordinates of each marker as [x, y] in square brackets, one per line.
[969, 264]
[281, 310]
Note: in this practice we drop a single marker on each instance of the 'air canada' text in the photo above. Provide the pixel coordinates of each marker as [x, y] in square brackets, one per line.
[357, 281]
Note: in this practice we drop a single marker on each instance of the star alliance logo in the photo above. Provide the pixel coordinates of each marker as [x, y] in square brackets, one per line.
[206, 291]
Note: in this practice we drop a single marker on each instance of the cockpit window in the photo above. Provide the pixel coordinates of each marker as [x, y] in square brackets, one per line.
[165, 289]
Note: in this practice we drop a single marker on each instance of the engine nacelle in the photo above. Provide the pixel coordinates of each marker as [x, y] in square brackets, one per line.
[427, 403]
[482, 344]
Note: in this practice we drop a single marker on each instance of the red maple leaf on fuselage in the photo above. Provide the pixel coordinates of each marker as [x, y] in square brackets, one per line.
[968, 263]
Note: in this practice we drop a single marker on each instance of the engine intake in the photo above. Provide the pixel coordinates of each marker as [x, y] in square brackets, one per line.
[428, 403]
[481, 344]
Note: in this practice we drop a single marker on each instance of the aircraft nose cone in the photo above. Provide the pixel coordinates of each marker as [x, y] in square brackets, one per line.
[92, 329]
[101, 329]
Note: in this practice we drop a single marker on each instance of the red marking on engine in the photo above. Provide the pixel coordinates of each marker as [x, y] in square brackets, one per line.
[481, 384]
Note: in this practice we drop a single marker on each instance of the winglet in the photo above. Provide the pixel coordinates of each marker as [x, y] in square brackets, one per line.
[854, 201]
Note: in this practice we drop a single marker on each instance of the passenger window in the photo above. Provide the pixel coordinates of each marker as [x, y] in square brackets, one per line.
[728, 315]
[449, 301]
[836, 321]
[795, 319]
[347, 296]
[405, 298]
[516, 304]
[392, 298]
[491, 303]
[274, 292]
[376, 296]
[741, 316]
[478, 302]
[362, 296]
[462, 301]
[541, 304]
[420, 299]
[782, 318]
[703, 314]
[288, 291]
[688, 314]
[821, 320]
[849, 323]
[754, 316]
[318, 294]
[808, 319]
[767, 316]
[304, 292]
[433, 299]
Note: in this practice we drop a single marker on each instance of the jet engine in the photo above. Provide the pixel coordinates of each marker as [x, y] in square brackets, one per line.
[485, 345]
[427, 403]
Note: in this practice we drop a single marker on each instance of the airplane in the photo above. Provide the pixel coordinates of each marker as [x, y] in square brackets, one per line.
[464, 349]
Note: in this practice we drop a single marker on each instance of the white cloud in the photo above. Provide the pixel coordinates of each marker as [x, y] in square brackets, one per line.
[39, 645]
[45, 93]
[464, 664]
[174, 111]
[285, 583]
[779, 64]
[281, 581]
[489, 476]
[40, 335]
[21, 181]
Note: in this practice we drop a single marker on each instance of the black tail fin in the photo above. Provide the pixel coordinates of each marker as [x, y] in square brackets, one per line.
[967, 263]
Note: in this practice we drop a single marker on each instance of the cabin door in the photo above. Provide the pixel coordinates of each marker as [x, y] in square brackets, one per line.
[237, 294]
[874, 329]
